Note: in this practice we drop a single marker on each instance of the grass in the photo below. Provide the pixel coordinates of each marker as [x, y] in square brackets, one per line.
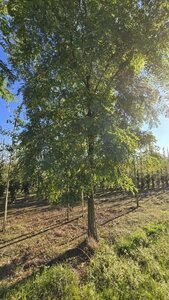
[140, 238]
[135, 267]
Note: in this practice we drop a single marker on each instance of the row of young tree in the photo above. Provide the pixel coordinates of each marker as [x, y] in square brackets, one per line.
[92, 73]
[150, 176]
[149, 170]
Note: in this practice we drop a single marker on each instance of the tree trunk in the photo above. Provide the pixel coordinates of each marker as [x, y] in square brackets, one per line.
[137, 200]
[92, 228]
[9, 170]
[68, 211]
[7, 193]
[6, 206]
[82, 198]
[68, 203]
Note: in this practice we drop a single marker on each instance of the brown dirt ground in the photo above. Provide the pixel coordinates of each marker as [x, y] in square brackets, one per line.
[38, 233]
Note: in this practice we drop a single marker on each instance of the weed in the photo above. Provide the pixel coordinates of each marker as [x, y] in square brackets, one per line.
[126, 245]
[53, 283]
[155, 230]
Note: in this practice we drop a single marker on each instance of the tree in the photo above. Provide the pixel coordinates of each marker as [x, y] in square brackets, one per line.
[6, 75]
[11, 184]
[2, 186]
[91, 73]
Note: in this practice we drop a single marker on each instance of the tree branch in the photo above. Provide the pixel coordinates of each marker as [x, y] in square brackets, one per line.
[121, 67]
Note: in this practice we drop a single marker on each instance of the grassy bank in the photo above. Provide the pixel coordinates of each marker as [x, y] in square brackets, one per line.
[135, 266]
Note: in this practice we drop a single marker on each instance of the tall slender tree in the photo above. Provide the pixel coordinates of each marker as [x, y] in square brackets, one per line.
[12, 154]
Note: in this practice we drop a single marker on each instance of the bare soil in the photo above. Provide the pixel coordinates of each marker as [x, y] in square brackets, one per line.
[39, 234]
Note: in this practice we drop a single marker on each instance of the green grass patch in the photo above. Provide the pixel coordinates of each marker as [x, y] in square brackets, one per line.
[57, 282]
[142, 238]
[155, 230]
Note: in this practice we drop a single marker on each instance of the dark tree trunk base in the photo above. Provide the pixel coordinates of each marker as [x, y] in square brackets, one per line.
[92, 229]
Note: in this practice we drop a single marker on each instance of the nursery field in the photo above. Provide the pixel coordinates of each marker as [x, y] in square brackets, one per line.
[83, 88]
[39, 234]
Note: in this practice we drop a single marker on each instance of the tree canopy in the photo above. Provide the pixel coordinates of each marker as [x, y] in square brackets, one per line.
[93, 72]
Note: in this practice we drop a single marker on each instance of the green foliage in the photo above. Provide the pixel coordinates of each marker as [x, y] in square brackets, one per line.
[14, 186]
[90, 74]
[6, 75]
[72, 197]
[2, 189]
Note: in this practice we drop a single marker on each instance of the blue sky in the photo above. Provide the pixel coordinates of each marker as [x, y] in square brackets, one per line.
[6, 110]
[162, 132]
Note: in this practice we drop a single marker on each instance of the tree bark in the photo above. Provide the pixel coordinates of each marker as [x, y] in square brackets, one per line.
[137, 200]
[8, 178]
[92, 228]
[6, 200]
[82, 199]
[68, 204]
[68, 211]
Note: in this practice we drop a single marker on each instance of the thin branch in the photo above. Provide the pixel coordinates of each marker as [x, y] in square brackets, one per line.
[121, 67]
[103, 73]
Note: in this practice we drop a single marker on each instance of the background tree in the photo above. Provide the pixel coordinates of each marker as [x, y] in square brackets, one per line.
[2, 161]
[11, 183]
[6, 75]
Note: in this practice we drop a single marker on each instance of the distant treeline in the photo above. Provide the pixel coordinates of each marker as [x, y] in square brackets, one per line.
[151, 174]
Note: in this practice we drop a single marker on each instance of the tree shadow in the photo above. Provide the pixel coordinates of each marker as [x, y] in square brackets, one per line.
[8, 269]
[118, 203]
[75, 256]
[24, 237]
[81, 252]
[126, 212]
[34, 205]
